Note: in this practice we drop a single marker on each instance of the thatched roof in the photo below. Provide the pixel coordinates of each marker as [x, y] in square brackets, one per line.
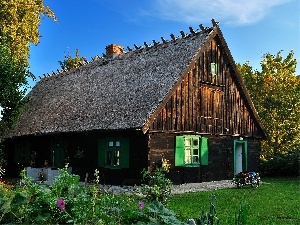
[109, 94]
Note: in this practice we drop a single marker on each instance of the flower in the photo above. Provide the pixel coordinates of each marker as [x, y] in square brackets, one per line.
[61, 204]
[141, 204]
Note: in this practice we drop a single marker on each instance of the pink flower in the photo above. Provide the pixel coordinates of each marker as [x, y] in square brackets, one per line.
[61, 204]
[141, 204]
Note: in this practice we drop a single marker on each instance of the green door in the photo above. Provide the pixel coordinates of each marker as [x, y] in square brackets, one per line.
[57, 154]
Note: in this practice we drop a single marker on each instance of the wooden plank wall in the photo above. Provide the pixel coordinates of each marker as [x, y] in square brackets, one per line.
[206, 103]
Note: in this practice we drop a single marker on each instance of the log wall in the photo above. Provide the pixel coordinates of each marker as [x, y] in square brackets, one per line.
[207, 103]
[220, 159]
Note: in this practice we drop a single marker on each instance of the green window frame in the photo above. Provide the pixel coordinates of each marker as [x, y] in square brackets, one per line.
[191, 150]
[113, 153]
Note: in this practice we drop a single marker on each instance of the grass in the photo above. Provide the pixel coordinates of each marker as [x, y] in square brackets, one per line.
[276, 201]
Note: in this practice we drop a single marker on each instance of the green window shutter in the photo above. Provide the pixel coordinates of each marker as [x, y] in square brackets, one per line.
[179, 151]
[124, 153]
[204, 151]
[245, 156]
[101, 152]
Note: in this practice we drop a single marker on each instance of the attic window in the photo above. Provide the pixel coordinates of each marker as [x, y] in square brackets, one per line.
[214, 69]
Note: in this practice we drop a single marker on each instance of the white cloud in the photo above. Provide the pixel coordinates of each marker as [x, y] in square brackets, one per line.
[235, 12]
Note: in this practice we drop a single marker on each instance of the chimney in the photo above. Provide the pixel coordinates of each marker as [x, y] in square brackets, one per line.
[114, 50]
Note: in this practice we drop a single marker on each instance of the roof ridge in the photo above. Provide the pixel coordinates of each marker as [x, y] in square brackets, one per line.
[146, 46]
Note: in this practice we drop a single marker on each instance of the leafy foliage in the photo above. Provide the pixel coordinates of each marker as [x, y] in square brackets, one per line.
[282, 164]
[70, 63]
[68, 202]
[2, 155]
[13, 85]
[156, 213]
[19, 23]
[275, 91]
[156, 187]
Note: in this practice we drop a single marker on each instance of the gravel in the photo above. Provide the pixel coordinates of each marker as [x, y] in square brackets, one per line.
[176, 189]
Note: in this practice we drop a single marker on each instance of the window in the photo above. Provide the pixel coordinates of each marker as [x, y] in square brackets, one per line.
[191, 150]
[113, 153]
[214, 69]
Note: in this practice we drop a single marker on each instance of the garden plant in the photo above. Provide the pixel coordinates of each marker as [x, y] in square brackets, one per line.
[69, 202]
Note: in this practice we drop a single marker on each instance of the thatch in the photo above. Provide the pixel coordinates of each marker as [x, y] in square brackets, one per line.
[108, 94]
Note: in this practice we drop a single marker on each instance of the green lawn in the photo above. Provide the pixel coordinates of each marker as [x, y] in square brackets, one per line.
[276, 201]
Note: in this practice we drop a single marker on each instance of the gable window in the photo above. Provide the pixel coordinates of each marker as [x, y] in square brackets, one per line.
[113, 153]
[191, 150]
[214, 69]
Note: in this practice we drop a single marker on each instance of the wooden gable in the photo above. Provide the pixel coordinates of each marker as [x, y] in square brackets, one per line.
[210, 97]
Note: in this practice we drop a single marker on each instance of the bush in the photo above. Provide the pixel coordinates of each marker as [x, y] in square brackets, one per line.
[67, 202]
[156, 186]
[282, 164]
[64, 202]
[154, 213]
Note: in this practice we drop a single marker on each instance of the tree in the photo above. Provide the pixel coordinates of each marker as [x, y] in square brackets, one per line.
[70, 63]
[19, 23]
[275, 91]
[13, 84]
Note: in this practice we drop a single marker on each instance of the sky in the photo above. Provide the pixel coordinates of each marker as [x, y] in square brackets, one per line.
[250, 28]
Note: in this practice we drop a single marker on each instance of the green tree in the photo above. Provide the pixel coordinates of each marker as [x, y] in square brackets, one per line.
[13, 84]
[70, 62]
[19, 23]
[275, 91]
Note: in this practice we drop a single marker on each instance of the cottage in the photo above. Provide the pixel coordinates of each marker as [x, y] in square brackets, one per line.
[180, 100]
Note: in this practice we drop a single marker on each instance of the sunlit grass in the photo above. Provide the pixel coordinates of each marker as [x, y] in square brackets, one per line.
[276, 201]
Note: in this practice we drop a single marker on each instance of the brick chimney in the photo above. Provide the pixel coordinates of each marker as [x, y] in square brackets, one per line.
[114, 50]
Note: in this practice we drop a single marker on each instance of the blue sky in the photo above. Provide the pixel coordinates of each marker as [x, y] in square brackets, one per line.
[251, 28]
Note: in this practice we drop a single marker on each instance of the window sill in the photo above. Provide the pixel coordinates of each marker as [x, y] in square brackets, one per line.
[113, 167]
[192, 165]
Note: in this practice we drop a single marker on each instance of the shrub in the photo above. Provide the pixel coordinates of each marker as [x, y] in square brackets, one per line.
[282, 164]
[156, 186]
[155, 213]
[66, 201]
